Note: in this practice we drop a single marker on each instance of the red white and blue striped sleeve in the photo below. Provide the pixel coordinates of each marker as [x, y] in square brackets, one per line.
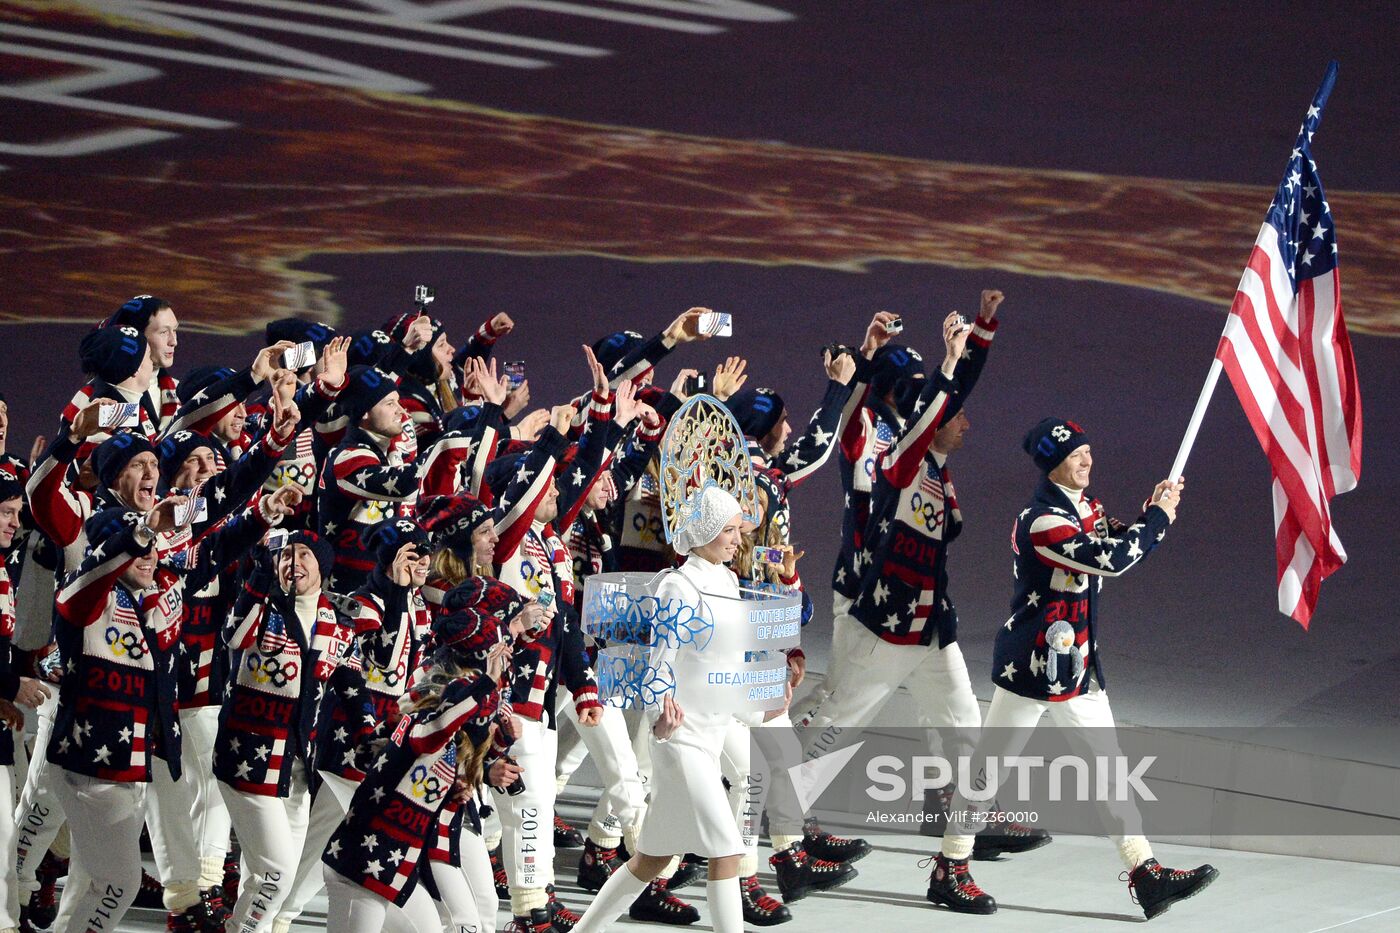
[1061, 542]
[900, 463]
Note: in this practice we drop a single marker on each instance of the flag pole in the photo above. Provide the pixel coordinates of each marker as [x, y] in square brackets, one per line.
[1197, 416]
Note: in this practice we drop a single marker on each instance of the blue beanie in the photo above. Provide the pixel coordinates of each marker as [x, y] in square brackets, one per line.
[1052, 440]
[113, 454]
[389, 536]
[199, 379]
[296, 330]
[113, 354]
[365, 386]
[613, 349]
[320, 547]
[175, 448]
[892, 365]
[756, 410]
[137, 312]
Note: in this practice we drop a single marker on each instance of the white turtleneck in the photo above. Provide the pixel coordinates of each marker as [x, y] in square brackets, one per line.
[306, 606]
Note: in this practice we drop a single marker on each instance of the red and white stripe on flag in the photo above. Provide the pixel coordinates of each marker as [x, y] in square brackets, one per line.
[1289, 358]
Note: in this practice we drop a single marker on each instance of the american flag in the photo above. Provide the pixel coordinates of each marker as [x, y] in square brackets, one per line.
[1286, 351]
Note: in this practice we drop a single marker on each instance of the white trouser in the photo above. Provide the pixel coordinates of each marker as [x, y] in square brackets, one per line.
[937, 680]
[1010, 720]
[328, 808]
[39, 814]
[841, 622]
[270, 832]
[169, 804]
[104, 875]
[622, 806]
[353, 909]
[198, 730]
[9, 885]
[527, 819]
[572, 751]
[467, 900]
[734, 764]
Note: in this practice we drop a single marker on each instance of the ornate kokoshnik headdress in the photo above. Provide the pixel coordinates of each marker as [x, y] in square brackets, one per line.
[703, 446]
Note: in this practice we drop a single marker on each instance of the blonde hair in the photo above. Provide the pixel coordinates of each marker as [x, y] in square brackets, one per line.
[428, 695]
[762, 536]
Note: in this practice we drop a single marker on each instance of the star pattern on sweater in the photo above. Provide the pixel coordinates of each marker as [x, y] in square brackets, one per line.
[1133, 550]
[370, 842]
[822, 437]
[1070, 546]
[1104, 560]
[1009, 672]
[125, 735]
[1056, 689]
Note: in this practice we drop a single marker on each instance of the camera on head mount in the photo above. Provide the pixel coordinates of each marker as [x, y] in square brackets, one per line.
[422, 296]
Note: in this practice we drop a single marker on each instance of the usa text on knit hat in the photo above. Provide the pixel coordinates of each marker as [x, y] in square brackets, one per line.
[1052, 440]
[450, 520]
[713, 511]
[113, 454]
[112, 354]
[365, 386]
[756, 410]
[389, 537]
[137, 312]
[175, 449]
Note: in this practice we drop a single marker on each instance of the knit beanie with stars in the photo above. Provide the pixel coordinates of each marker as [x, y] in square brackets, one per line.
[389, 537]
[175, 449]
[450, 520]
[613, 349]
[1051, 441]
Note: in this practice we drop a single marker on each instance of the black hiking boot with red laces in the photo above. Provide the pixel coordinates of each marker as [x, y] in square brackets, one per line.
[1155, 889]
[1013, 837]
[565, 836]
[821, 844]
[596, 866]
[936, 805]
[951, 885]
[215, 908]
[761, 908]
[498, 874]
[537, 922]
[799, 874]
[689, 869]
[560, 917]
[659, 905]
[151, 895]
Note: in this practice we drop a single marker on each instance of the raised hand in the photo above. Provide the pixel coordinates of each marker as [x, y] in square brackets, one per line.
[532, 424]
[501, 325]
[842, 369]
[334, 362]
[418, 333]
[991, 300]
[876, 336]
[625, 405]
[595, 368]
[729, 377]
[85, 424]
[269, 360]
[678, 384]
[955, 333]
[685, 328]
[517, 399]
[283, 502]
[401, 572]
[36, 450]
[561, 416]
[162, 518]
